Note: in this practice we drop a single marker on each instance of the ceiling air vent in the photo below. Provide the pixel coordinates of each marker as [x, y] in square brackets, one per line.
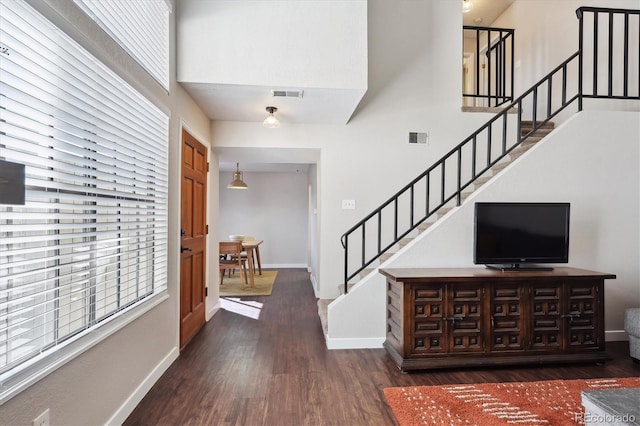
[287, 93]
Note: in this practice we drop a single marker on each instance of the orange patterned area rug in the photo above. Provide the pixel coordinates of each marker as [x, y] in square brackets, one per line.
[552, 402]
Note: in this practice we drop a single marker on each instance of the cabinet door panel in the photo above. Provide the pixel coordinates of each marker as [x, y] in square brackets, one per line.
[428, 307]
[465, 318]
[581, 319]
[507, 327]
[547, 322]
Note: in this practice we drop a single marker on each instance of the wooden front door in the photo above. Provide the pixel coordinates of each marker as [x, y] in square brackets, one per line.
[193, 230]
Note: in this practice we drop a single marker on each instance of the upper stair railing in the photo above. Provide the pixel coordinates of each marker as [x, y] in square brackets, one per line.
[489, 82]
[610, 53]
[445, 180]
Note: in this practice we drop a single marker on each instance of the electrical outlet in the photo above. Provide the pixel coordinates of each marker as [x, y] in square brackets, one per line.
[42, 419]
[348, 204]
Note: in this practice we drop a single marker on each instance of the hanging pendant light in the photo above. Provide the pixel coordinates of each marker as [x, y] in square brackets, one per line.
[466, 6]
[271, 122]
[237, 182]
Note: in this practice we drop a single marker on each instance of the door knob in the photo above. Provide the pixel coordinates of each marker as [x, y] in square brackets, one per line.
[183, 249]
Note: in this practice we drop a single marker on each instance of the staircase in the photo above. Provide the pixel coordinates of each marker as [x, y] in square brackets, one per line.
[535, 134]
[484, 154]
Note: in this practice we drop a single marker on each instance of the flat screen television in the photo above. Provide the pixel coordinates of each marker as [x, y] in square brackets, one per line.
[518, 236]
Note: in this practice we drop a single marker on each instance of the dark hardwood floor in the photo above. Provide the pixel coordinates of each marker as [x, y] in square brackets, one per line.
[276, 370]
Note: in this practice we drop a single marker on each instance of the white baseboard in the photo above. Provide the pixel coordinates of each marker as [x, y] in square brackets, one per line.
[134, 399]
[355, 343]
[616, 336]
[314, 284]
[214, 309]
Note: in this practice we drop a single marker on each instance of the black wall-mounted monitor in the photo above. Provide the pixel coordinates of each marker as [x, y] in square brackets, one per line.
[512, 236]
[12, 183]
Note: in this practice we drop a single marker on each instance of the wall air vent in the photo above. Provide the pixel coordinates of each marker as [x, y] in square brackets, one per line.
[419, 137]
[287, 93]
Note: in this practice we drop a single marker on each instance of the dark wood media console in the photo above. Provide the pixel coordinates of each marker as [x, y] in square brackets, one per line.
[466, 317]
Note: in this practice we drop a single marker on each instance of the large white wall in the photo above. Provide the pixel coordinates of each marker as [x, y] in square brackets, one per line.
[411, 88]
[326, 33]
[274, 209]
[103, 384]
[593, 162]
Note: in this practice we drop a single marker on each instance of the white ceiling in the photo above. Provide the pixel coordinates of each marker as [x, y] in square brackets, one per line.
[484, 12]
[247, 103]
[227, 102]
[294, 160]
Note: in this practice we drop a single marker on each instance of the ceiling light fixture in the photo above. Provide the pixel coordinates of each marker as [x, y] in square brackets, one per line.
[466, 6]
[271, 122]
[237, 182]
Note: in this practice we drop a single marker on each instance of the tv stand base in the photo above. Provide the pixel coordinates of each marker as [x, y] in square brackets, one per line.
[515, 267]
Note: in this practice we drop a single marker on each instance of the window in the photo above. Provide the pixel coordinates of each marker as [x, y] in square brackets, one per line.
[90, 242]
[140, 27]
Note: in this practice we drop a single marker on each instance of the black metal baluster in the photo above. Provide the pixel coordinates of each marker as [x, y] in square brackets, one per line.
[512, 94]
[489, 144]
[564, 85]
[473, 157]
[428, 193]
[625, 90]
[610, 82]
[581, 56]
[489, 66]
[595, 54]
[503, 69]
[477, 59]
[379, 231]
[534, 112]
[395, 219]
[364, 242]
[458, 196]
[504, 128]
[346, 261]
[549, 96]
[442, 182]
[411, 195]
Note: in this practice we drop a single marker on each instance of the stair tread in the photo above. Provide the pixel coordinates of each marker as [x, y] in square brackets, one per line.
[529, 123]
[386, 255]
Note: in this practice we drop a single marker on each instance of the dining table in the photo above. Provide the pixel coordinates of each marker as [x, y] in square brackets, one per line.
[252, 248]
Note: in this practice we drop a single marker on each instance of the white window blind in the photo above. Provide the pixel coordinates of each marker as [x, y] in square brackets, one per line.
[91, 240]
[141, 27]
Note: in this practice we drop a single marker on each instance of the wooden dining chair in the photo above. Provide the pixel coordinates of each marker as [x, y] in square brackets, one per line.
[244, 252]
[231, 258]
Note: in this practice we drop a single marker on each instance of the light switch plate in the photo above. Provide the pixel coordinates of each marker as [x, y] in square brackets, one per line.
[348, 204]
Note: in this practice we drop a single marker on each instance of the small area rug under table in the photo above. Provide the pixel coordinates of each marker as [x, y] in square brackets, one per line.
[231, 286]
[551, 402]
